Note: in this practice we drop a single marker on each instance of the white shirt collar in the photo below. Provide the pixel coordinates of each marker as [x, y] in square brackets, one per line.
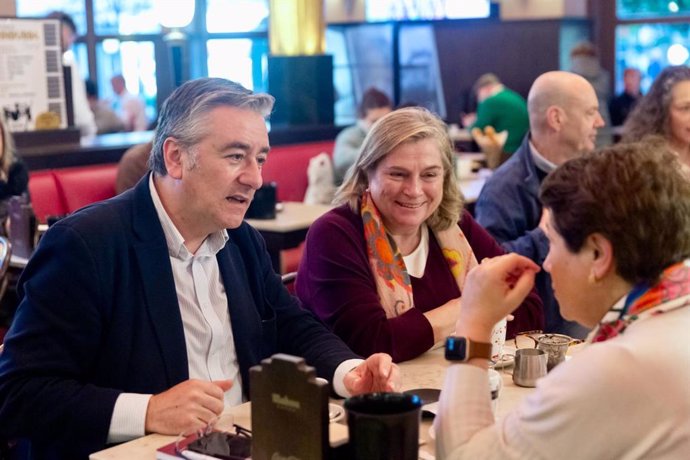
[541, 162]
[176, 248]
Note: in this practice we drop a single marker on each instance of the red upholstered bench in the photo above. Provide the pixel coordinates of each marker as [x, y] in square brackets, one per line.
[57, 192]
[287, 167]
[62, 191]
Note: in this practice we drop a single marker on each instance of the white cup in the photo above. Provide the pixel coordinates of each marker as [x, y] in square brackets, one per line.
[498, 340]
[463, 167]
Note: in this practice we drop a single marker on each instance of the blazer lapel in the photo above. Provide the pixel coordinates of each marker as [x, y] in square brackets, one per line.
[160, 296]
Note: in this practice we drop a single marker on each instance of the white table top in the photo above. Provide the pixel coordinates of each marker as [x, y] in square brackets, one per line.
[426, 371]
[291, 216]
[472, 185]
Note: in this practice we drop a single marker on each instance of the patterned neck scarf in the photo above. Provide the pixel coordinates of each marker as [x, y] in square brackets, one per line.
[673, 289]
[392, 280]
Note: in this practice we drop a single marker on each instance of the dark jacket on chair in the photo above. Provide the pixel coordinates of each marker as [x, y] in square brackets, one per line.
[100, 316]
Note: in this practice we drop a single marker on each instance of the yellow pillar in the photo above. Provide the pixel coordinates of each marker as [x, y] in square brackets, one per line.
[297, 28]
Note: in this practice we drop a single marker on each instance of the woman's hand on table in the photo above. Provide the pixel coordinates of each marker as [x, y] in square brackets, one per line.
[377, 373]
[493, 290]
[187, 407]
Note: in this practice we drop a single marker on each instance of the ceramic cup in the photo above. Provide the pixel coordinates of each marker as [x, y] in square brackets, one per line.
[530, 365]
[498, 340]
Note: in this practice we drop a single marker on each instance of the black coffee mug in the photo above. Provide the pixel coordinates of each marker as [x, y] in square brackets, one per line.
[383, 426]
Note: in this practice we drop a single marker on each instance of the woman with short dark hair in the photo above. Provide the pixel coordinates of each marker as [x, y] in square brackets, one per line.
[618, 223]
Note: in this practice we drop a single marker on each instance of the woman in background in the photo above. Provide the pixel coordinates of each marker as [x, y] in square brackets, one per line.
[14, 177]
[665, 112]
[619, 260]
[385, 270]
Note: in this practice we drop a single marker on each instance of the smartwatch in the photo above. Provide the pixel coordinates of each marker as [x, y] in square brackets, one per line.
[463, 349]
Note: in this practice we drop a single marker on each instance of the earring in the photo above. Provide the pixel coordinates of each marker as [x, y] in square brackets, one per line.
[592, 278]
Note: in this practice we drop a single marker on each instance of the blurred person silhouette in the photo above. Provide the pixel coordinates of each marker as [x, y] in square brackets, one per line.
[500, 107]
[584, 61]
[132, 166]
[374, 105]
[83, 116]
[621, 106]
[665, 111]
[130, 108]
[106, 119]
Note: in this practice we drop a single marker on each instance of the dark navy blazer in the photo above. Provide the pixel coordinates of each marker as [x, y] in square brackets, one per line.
[100, 316]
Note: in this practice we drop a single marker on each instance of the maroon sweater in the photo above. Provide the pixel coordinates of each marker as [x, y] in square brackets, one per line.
[335, 282]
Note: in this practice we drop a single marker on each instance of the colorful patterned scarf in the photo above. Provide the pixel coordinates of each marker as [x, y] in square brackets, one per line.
[392, 280]
[673, 285]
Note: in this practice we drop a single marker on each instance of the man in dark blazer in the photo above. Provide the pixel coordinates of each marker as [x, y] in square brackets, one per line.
[144, 313]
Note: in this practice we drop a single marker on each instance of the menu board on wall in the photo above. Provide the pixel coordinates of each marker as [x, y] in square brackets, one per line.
[31, 78]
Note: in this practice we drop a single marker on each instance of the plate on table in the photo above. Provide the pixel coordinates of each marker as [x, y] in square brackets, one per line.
[335, 412]
[507, 360]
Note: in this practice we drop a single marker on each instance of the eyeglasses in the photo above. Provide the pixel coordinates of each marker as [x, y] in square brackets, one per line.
[530, 339]
[527, 339]
[219, 444]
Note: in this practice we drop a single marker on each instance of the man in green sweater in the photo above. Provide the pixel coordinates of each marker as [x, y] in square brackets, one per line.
[500, 107]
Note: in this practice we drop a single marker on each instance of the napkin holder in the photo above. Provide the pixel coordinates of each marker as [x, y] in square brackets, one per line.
[263, 206]
[289, 410]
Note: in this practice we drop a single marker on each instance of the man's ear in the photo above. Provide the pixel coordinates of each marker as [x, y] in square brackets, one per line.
[172, 156]
[555, 117]
[603, 259]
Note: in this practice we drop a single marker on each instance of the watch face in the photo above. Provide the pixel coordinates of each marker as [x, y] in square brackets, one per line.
[456, 349]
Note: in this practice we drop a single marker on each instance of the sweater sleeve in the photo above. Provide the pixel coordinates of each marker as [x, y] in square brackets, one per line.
[530, 314]
[336, 283]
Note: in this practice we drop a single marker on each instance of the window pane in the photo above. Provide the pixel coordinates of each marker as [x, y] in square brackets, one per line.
[345, 105]
[388, 10]
[236, 15]
[242, 60]
[627, 9]
[34, 8]
[370, 50]
[649, 48]
[125, 17]
[136, 62]
[420, 79]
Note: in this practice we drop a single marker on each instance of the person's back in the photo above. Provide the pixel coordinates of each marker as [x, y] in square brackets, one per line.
[374, 105]
[505, 111]
[132, 166]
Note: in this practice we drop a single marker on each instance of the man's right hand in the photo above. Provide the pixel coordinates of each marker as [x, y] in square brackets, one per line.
[187, 407]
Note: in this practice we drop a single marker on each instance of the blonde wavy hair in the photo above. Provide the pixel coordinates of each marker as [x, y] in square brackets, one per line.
[402, 126]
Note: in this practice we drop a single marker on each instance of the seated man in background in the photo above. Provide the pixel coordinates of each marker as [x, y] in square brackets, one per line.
[500, 107]
[130, 108]
[106, 119]
[374, 105]
[621, 105]
[143, 313]
[564, 119]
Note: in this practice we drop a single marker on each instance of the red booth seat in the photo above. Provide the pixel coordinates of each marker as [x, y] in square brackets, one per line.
[57, 192]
